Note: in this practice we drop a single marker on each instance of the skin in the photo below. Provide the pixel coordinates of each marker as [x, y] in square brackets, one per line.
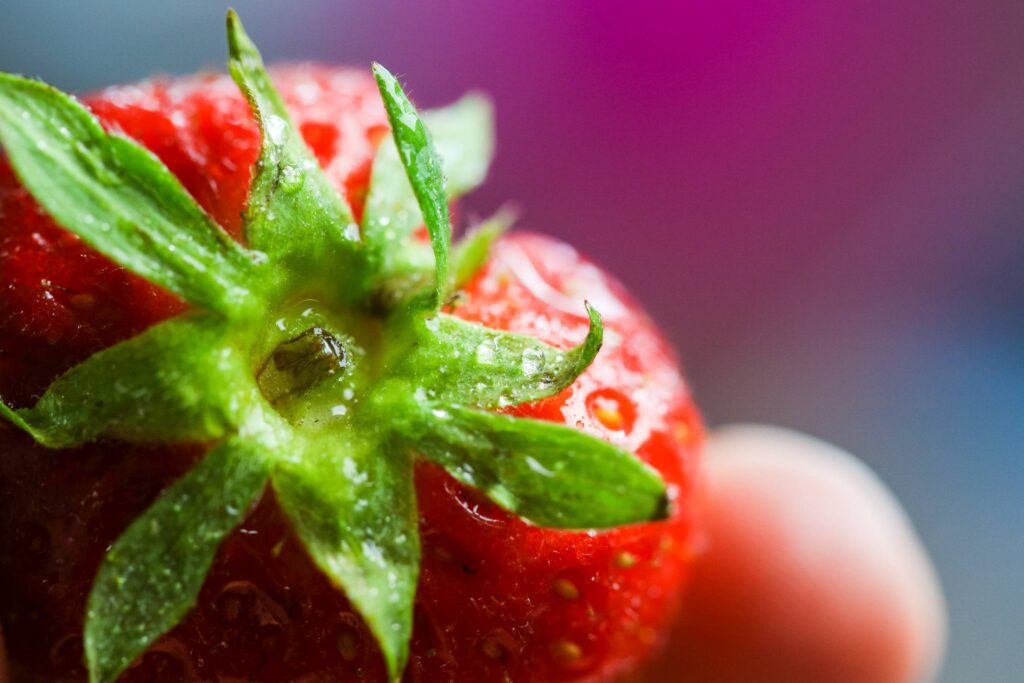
[782, 511]
[811, 573]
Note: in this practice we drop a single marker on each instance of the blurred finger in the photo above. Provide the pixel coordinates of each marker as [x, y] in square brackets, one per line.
[812, 573]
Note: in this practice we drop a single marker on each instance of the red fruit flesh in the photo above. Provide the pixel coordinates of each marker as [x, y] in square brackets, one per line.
[498, 600]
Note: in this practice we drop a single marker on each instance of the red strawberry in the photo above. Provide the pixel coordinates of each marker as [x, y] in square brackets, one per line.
[498, 598]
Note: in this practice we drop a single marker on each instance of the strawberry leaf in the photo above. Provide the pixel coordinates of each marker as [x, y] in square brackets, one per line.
[118, 197]
[471, 252]
[470, 364]
[552, 475]
[463, 134]
[178, 381]
[152, 574]
[355, 510]
[293, 215]
[423, 169]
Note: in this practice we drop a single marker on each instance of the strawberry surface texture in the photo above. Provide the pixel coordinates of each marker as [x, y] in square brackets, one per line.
[497, 597]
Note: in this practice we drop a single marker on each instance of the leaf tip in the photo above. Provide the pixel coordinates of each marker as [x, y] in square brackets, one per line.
[232, 22]
[8, 414]
[395, 659]
[594, 315]
[100, 671]
[595, 338]
[239, 42]
[233, 25]
[663, 506]
[16, 420]
[390, 89]
[381, 75]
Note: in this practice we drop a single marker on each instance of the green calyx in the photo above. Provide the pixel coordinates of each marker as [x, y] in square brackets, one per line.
[315, 357]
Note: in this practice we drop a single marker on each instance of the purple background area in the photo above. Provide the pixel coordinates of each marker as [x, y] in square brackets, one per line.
[822, 203]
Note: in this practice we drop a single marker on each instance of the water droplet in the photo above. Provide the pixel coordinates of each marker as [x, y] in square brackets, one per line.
[485, 353]
[352, 472]
[292, 178]
[276, 126]
[612, 409]
[532, 361]
[536, 466]
[351, 232]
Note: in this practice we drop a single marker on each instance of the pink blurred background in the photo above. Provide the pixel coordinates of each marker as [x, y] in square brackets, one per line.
[822, 203]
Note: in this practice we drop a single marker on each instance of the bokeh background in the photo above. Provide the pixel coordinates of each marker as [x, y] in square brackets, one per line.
[823, 204]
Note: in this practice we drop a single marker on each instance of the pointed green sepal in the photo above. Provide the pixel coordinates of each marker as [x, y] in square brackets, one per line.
[19, 422]
[469, 364]
[151, 576]
[354, 508]
[471, 252]
[178, 381]
[463, 134]
[119, 198]
[552, 475]
[293, 214]
[423, 169]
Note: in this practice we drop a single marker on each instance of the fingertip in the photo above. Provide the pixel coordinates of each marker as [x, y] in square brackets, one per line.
[812, 572]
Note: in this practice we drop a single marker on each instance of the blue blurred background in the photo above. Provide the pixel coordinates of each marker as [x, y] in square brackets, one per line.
[823, 204]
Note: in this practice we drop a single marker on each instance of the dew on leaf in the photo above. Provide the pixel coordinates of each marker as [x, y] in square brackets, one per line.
[292, 178]
[276, 127]
[485, 353]
[536, 466]
[532, 361]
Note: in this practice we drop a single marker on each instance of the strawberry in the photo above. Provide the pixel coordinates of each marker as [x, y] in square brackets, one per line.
[266, 429]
